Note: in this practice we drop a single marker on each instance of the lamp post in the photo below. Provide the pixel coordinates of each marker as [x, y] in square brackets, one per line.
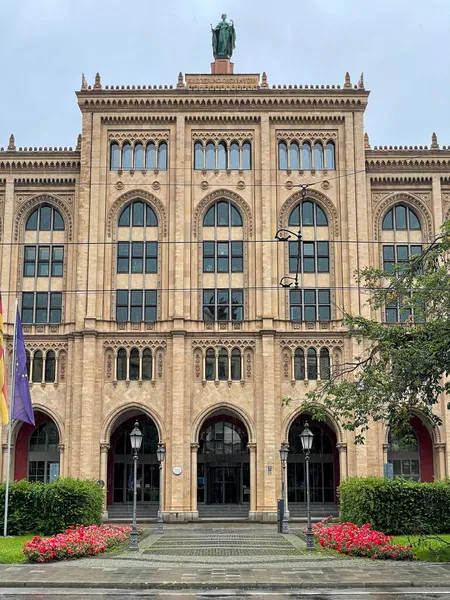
[161, 454]
[284, 451]
[306, 437]
[136, 441]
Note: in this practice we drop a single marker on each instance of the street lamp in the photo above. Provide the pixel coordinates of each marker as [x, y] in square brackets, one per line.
[284, 451]
[161, 454]
[306, 437]
[136, 441]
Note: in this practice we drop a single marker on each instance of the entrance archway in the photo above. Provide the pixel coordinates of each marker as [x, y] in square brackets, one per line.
[223, 467]
[323, 469]
[412, 458]
[120, 469]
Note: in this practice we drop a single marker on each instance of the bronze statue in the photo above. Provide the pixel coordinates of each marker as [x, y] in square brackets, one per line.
[223, 38]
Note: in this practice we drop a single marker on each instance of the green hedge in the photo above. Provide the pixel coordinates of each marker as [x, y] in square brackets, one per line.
[46, 509]
[396, 506]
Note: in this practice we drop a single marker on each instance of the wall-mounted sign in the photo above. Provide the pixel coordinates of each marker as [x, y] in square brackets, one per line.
[177, 470]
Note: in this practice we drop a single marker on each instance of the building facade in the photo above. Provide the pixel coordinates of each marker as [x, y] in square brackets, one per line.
[147, 272]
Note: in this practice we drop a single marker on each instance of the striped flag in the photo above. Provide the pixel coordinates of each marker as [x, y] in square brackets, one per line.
[3, 404]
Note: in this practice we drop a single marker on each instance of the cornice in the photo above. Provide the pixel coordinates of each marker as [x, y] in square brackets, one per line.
[403, 163]
[400, 180]
[31, 181]
[38, 162]
[113, 119]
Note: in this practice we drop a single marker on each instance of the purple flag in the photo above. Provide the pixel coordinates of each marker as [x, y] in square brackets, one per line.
[22, 408]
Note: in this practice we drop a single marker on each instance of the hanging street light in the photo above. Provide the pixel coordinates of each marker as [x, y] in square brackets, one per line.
[136, 442]
[306, 438]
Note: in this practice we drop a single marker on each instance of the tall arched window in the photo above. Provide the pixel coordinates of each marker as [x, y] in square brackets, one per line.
[150, 156]
[308, 213]
[401, 217]
[45, 218]
[246, 155]
[147, 365]
[236, 374]
[138, 157]
[38, 364]
[210, 156]
[210, 365]
[306, 156]
[222, 364]
[222, 157]
[50, 364]
[330, 156]
[318, 156]
[162, 156]
[198, 156]
[294, 156]
[138, 214]
[126, 156]
[121, 364]
[311, 362]
[299, 364]
[324, 364]
[234, 156]
[114, 160]
[134, 364]
[222, 214]
[282, 156]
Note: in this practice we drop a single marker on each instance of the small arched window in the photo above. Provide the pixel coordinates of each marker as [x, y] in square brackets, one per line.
[138, 157]
[210, 156]
[324, 364]
[246, 155]
[138, 214]
[311, 362]
[318, 156]
[401, 217]
[147, 365]
[330, 156]
[294, 156]
[44, 438]
[222, 157]
[222, 364]
[134, 364]
[308, 213]
[222, 214]
[282, 156]
[114, 160]
[126, 156]
[236, 374]
[210, 365]
[121, 364]
[299, 364]
[38, 364]
[234, 156]
[45, 218]
[306, 156]
[162, 156]
[50, 367]
[198, 156]
[150, 156]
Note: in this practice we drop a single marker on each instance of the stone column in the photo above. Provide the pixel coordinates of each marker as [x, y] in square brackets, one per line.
[385, 458]
[104, 448]
[194, 458]
[342, 448]
[253, 487]
[62, 469]
[440, 456]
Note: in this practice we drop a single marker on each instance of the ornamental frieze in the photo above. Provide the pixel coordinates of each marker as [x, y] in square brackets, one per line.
[218, 136]
[228, 343]
[290, 136]
[307, 343]
[138, 136]
[135, 343]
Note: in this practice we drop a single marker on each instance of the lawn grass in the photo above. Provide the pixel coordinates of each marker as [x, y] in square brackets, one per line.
[11, 549]
[430, 551]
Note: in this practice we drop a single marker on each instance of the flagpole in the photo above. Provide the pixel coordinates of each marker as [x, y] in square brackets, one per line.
[11, 402]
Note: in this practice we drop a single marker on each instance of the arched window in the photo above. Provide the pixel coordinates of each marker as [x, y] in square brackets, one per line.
[43, 453]
[282, 156]
[403, 454]
[324, 364]
[236, 374]
[246, 155]
[299, 364]
[150, 156]
[294, 152]
[126, 156]
[134, 364]
[114, 160]
[401, 217]
[306, 156]
[210, 156]
[50, 367]
[210, 365]
[121, 364]
[38, 364]
[318, 156]
[198, 156]
[45, 218]
[133, 215]
[138, 157]
[162, 156]
[222, 214]
[308, 213]
[311, 362]
[330, 156]
[234, 156]
[147, 365]
[27, 354]
[222, 157]
[222, 365]
[44, 438]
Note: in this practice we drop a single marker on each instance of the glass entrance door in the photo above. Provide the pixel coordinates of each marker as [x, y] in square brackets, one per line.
[147, 482]
[223, 485]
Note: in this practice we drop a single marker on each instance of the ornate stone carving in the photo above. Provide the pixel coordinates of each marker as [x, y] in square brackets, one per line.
[197, 365]
[159, 361]
[290, 135]
[228, 343]
[150, 135]
[286, 364]
[409, 199]
[248, 364]
[317, 343]
[219, 136]
[135, 343]
[121, 201]
[104, 448]
[347, 81]
[109, 365]
[27, 207]
[98, 82]
[320, 198]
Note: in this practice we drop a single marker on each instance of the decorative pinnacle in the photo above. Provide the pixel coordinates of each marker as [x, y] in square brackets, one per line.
[434, 142]
[12, 143]
[366, 141]
[264, 83]
[78, 146]
[347, 82]
[98, 82]
[361, 82]
[180, 83]
[83, 82]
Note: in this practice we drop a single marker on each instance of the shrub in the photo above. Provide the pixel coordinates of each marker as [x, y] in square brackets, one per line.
[50, 508]
[348, 538]
[396, 506]
[75, 543]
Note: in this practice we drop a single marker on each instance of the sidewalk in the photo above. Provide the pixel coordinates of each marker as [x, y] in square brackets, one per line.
[210, 558]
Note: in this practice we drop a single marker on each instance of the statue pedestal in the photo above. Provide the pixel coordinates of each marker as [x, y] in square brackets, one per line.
[222, 66]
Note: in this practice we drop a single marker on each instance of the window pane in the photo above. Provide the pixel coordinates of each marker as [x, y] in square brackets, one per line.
[222, 365]
[162, 156]
[28, 300]
[126, 157]
[122, 313]
[310, 313]
[56, 299]
[114, 156]
[138, 214]
[294, 152]
[136, 314]
[324, 313]
[234, 156]
[152, 220]
[414, 222]
[147, 364]
[124, 219]
[222, 296]
[150, 297]
[330, 156]
[236, 219]
[295, 297]
[402, 253]
[324, 297]
[28, 269]
[310, 296]
[318, 156]
[222, 156]
[198, 156]
[208, 221]
[150, 314]
[122, 297]
[45, 218]
[306, 156]
[134, 364]
[43, 269]
[400, 217]
[307, 213]
[150, 156]
[391, 315]
[210, 156]
[30, 252]
[296, 313]
[294, 218]
[58, 223]
[139, 157]
[223, 214]
[246, 156]
[32, 221]
[237, 296]
[41, 299]
[388, 220]
[236, 365]
[388, 253]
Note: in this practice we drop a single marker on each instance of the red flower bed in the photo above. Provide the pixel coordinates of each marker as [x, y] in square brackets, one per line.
[75, 543]
[350, 539]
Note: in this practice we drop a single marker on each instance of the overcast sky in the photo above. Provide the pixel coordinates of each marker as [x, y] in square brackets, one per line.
[402, 46]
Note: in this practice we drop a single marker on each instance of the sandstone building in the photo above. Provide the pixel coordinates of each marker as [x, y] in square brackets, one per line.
[148, 274]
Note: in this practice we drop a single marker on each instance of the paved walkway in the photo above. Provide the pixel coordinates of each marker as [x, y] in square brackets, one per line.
[208, 557]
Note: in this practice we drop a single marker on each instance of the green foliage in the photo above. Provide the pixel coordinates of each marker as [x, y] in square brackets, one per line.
[50, 508]
[396, 506]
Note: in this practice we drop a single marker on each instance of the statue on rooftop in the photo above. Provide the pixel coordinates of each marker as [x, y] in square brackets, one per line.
[223, 38]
